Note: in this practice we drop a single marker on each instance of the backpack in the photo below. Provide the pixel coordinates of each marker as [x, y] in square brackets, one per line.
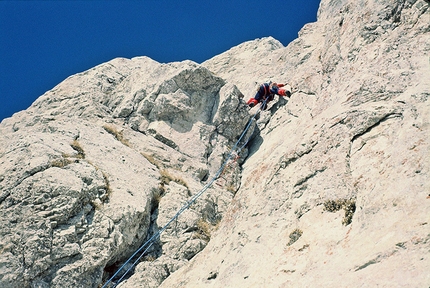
[264, 89]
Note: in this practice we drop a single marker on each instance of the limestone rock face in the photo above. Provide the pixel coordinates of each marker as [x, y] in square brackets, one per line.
[331, 191]
[335, 192]
[103, 160]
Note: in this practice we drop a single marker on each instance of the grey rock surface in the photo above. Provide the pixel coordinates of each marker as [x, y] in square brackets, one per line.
[332, 190]
[335, 192]
[106, 157]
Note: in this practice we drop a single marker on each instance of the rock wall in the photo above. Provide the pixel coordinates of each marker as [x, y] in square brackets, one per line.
[335, 192]
[333, 189]
[103, 160]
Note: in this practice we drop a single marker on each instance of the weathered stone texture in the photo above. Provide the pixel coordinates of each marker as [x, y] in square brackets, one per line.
[336, 190]
[332, 190]
[83, 170]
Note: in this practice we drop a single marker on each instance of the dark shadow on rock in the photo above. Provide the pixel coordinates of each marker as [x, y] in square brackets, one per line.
[254, 143]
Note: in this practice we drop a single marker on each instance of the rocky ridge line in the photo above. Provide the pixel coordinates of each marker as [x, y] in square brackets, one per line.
[332, 190]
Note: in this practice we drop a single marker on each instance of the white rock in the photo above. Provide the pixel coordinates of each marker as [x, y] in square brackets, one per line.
[332, 190]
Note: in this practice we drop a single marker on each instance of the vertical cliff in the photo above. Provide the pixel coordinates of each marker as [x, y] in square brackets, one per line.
[332, 189]
[335, 191]
[100, 162]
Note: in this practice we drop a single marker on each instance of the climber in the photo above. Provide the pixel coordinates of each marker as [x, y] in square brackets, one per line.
[268, 91]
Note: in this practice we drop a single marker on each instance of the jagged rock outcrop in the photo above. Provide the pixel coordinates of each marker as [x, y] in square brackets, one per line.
[106, 157]
[335, 193]
[333, 190]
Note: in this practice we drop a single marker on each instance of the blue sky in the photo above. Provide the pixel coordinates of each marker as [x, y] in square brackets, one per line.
[44, 42]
